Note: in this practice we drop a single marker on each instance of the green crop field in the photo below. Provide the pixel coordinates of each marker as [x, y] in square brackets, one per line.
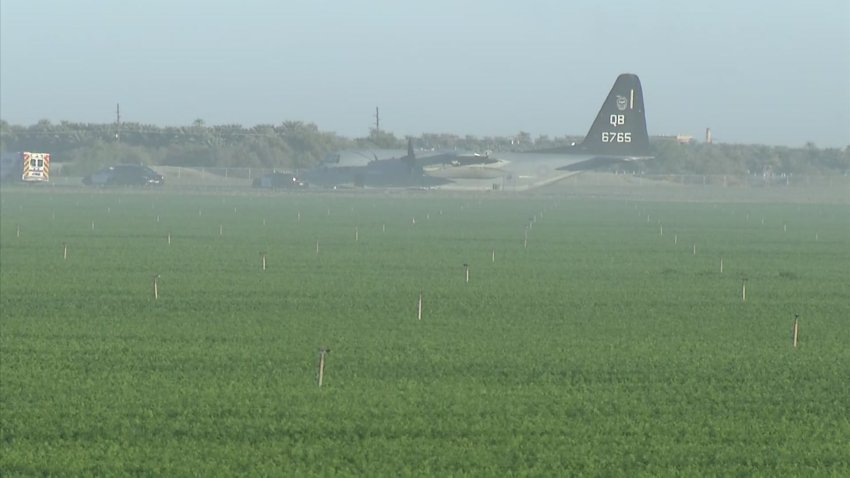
[593, 337]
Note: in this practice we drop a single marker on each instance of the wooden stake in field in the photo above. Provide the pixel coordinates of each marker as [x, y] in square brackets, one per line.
[18, 231]
[493, 258]
[796, 328]
[322, 353]
[92, 225]
[660, 229]
[263, 260]
[383, 228]
[221, 229]
[65, 251]
[169, 238]
[356, 234]
[157, 218]
[317, 247]
[743, 290]
[675, 238]
[299, 217]
[419, 307]
[466, 270]
[695, 248]
[721, 265]
[785, 228]
[155, 286]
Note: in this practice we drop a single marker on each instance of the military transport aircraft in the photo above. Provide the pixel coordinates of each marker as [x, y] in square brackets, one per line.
[618, 135]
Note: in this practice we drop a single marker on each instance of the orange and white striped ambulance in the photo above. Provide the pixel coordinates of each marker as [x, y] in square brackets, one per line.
[32, 167]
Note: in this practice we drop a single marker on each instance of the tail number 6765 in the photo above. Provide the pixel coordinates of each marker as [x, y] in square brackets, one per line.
[616, 137]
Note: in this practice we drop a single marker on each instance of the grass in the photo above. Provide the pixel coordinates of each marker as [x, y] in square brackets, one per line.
[602, 347]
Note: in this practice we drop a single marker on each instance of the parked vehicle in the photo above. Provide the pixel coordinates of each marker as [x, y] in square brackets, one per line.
[25, 166]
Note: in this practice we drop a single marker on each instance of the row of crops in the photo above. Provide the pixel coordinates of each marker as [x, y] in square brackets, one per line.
[558, 336]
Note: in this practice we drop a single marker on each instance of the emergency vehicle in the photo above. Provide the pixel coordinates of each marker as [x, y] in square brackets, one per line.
[29, 167]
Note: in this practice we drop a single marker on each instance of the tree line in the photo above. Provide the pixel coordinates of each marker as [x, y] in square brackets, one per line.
[294, 145]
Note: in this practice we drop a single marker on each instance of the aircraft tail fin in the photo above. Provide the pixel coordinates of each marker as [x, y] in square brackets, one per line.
[620, 125]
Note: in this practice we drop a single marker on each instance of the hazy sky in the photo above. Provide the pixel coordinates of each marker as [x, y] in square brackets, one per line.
[775, 72]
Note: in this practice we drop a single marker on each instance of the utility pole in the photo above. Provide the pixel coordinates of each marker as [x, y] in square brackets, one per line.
[377, 122]
[117, 121]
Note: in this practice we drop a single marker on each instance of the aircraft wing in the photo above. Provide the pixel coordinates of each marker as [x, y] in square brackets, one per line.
[360, 157]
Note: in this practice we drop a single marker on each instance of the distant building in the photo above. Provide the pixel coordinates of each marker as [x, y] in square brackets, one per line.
[679, 138]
